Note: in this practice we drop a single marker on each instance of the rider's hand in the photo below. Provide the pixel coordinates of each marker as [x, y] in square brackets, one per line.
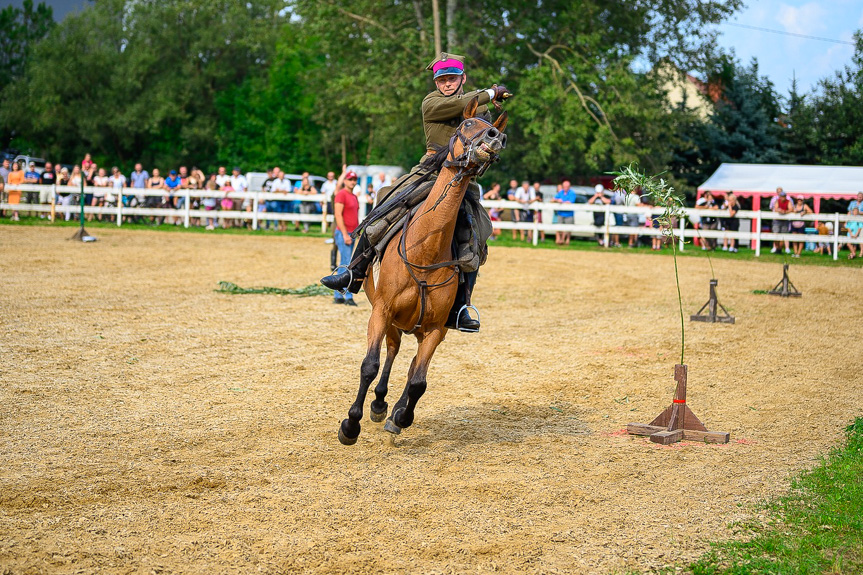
[348, 239]
[501, 92]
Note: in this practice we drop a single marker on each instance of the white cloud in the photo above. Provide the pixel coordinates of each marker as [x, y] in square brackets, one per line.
[805, 19]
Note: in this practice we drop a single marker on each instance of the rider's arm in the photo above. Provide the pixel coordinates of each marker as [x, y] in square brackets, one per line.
[437, 107]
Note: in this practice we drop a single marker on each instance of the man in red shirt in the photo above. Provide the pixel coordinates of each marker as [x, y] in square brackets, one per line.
[346, 209]
[781, 206]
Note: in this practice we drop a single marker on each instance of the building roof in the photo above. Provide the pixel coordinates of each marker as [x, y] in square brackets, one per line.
[839, 182]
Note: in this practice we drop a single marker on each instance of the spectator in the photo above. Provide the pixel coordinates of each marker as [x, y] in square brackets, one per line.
[706, 202]
[328, 189]
[172, 198]
[87, 163]
[197, 179]
[493, 193]
[525, 195]
[138, 181]
[31, 176]
[282, 185]
[155, 183]
[618, 198]
[222, 177]
[240, 184]
[853, 233]
[599, 199]
[184, 178]
[382, 181]
[347, 209]
[514, 214]
[2, 193]
[632, 200]
[731, 223]
[47, 178]
[117, 182]
[4, 170]
[825, 229]
[210, 202]
[308, 208]
[74, 181]
[100, 182]
[565, 196]
[227, 203]
[858, 203]
[538, 213]
[781, 205]
[799, 226]
[267, 204]
[15, 178]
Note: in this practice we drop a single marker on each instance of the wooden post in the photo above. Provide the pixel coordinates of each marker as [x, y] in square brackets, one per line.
[712, 305]
[785, 288]
[677, 422]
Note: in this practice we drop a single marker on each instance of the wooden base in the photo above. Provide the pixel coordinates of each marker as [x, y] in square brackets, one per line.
[785, 288]
[712, 306]
[80, 235]
[677, 421]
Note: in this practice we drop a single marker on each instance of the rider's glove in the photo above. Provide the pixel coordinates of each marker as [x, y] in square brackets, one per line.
[501, 92]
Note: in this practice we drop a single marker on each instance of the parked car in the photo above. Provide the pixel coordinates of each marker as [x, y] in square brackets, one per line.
[24, 162]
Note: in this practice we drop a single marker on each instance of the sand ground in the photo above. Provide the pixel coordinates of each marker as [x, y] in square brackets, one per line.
[152, 425]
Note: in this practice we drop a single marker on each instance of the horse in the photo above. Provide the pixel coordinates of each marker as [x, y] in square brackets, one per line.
[417, 280]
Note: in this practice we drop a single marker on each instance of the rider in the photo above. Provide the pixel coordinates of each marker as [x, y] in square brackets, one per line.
[442, 112]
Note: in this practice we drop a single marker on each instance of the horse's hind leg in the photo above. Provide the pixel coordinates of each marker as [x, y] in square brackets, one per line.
[379, 405]
[350, 427]
[403, 411]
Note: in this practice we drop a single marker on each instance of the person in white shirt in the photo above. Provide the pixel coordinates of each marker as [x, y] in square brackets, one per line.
[328, 189]
[281, 185]
[222, 177]
[525, 195]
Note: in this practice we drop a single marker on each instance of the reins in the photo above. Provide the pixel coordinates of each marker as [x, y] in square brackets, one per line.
[461, 162]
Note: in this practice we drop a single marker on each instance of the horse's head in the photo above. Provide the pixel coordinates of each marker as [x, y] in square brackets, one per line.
[477, 144]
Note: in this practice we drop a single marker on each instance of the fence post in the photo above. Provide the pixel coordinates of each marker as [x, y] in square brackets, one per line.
[835, 236]
[53, 202]
[682, 233]
[606, 236]
[758, 234]
[256, 201]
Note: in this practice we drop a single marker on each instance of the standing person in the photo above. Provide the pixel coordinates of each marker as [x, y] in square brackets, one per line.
[137, 181]
[156, 182]
[781, 205]
[308, 208]
[799, 226]
[514, 214]
[172, 199]
[346, 214]
[493, 194]
[618, 198]
[100, 182]
[731, 223]
[87, 164]
[15, 178]
[599, 199]
[5, 169]
[706, 202]
[281, 185]
[566, 195]
[241, 184]
[525, 195]
[442, 112]
[31, 176]
[328, 189]
[47, 178]
[633, 200]
[853, 233]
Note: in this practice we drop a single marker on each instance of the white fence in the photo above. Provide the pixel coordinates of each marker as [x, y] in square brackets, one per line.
[255, 202]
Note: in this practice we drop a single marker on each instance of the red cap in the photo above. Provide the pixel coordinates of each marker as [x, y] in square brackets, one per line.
[351, 176]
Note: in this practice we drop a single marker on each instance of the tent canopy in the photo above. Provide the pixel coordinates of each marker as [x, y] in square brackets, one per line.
[835, 182]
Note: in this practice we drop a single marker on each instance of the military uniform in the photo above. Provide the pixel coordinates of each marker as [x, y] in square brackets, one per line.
[442, 116]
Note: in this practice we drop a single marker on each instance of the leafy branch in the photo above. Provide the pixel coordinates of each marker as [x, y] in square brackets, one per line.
[662, 195]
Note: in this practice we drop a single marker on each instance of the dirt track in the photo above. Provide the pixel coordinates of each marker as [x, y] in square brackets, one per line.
[151, 425]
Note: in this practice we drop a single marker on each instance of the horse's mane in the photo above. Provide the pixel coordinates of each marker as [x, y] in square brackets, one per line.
[435, 162]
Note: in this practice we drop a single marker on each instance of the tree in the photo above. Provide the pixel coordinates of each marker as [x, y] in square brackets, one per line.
[21, 28]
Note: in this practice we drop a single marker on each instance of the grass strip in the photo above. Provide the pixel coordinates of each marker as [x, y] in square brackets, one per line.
[308, 291]
[817, 528]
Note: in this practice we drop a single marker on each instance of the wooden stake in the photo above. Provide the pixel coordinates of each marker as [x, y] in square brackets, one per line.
[785, 288]
[712, 306]
[677, 422]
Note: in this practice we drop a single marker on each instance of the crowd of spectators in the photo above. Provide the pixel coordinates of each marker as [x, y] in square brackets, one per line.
[106, 188]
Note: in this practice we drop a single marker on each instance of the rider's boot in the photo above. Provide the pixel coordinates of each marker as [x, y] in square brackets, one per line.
[459, 318]
[352, 278]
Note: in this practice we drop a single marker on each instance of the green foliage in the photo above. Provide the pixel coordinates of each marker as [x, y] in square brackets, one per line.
[20, 29]
[817, 528]
[308, 291]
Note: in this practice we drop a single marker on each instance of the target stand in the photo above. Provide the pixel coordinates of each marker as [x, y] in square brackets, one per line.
[677, 422]
[785, 288]
[713, 306]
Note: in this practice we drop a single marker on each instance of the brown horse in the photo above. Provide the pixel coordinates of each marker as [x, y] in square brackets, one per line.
[418, 279]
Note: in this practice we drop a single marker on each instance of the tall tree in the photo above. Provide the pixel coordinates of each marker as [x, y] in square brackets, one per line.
[21, 28]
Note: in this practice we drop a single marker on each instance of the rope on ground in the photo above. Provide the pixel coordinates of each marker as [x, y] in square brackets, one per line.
[308, 291]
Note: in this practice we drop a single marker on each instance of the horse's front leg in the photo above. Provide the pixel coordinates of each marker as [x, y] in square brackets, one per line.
[350, 427]
[379, 405]
[403, 412]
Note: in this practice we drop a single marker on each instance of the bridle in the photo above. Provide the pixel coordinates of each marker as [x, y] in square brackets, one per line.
[462, 162]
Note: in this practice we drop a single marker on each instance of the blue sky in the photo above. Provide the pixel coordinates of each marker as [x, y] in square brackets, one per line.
[780, 56]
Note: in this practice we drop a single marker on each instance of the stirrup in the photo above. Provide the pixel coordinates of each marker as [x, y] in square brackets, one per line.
[343, 291]
[458, 316]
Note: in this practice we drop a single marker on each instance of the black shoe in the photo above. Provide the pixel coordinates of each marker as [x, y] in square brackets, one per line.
[465, 322]
[338, 301]
[350, 302]
[342, 281]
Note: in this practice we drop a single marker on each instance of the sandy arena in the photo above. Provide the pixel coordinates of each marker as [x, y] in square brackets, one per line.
[152, 425]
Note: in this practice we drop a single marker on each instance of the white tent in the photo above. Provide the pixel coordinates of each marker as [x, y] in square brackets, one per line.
[760, 180]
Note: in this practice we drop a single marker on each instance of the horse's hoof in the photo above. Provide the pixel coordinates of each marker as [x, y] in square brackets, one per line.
[344, 438]
[402, 418]
[392, 427]
[376, 416]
